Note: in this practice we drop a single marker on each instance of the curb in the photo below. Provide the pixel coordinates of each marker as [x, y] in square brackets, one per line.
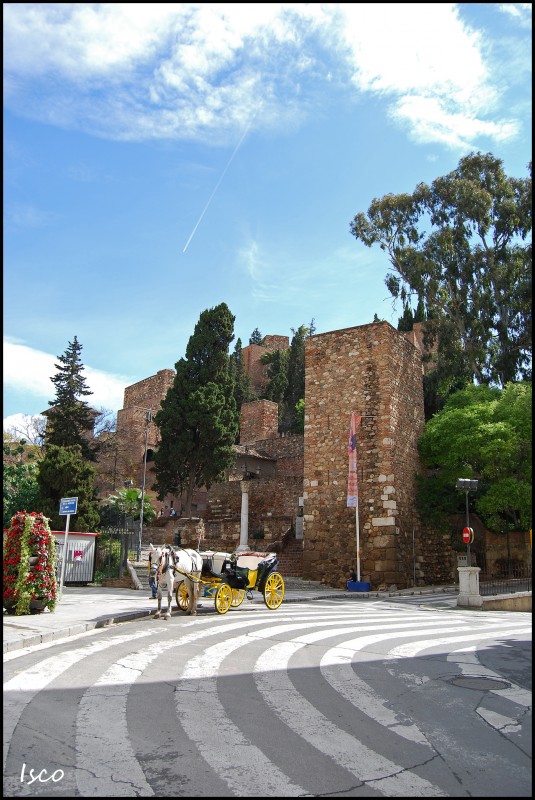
[73, 630]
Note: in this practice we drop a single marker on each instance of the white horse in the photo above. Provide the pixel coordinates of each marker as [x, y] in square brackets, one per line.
[164, 558]
[173, 566]
[188, 567]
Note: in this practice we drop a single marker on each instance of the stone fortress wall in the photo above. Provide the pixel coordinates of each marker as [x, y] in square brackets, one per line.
[371, 369]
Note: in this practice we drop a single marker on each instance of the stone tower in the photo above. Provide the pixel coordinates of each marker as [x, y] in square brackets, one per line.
[375, 371]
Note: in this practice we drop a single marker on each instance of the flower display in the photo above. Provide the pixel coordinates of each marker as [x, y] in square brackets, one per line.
[26, 580]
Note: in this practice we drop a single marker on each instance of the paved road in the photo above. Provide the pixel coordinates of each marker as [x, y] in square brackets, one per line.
[322, 698]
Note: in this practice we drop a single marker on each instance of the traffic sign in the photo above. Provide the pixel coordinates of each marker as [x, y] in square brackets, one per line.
[468, 535]
[68, 505]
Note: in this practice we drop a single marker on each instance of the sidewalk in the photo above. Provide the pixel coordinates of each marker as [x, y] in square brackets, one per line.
[83, 608]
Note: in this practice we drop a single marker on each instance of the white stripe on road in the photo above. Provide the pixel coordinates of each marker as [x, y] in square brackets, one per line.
[376, 771]
[22, 688]
[414, 648]
[206, 723]
[105, 756]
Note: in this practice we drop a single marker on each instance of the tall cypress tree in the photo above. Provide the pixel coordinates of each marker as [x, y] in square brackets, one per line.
[243, 391]
[63, 472]
[70, 419]
[198, 420]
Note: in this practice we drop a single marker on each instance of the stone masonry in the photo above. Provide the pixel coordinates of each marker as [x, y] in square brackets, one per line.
[258, 420]
[376, 372]
[131, 419]
[252, 354]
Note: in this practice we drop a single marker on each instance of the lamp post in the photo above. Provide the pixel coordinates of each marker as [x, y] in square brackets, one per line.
[148, 419]
[466, 485]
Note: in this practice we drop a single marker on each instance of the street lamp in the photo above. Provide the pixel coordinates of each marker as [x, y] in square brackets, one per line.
[467, 485]
[148, 419]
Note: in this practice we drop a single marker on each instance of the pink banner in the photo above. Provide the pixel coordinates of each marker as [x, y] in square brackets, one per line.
[352, 485]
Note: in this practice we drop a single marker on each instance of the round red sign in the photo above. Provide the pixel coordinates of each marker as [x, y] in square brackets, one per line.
[467, 535]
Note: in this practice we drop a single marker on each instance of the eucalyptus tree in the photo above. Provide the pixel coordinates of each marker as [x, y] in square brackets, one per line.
[463, 245]
[198, 419]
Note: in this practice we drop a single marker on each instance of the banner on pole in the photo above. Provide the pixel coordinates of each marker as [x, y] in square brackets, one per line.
[352, 484]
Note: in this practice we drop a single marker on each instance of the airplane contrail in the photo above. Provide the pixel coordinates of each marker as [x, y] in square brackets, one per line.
[217, 186]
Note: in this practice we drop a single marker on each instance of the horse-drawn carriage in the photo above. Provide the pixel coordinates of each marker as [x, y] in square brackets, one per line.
[228, 578]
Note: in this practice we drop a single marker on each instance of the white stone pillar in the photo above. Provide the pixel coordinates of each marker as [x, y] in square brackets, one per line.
[244, 521]
[469, 596]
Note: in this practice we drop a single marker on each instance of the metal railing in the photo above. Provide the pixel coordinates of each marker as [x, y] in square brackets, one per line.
[516, 578]
[117, 544]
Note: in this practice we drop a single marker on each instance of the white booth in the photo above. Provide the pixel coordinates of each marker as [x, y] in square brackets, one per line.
[80, 564]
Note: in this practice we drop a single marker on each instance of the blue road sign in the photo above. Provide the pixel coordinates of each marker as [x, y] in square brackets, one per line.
[68, 505]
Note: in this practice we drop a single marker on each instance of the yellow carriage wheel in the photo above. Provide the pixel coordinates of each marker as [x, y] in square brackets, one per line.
[223, 598]
[237, 597]
[274, 590]
[182, 596]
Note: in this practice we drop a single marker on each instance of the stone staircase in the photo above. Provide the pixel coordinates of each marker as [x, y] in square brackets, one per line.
[291, 558]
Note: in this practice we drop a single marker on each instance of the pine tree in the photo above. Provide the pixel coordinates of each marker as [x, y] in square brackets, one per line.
[70, 420]
[198, 420]
[256, 337]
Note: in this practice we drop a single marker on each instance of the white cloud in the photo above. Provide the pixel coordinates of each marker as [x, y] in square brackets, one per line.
[29, 370]
[22, 424]
[521, 12]
[179, 70]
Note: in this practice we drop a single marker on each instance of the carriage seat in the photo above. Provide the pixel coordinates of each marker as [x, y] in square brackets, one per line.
[252, 560]
[212, 562]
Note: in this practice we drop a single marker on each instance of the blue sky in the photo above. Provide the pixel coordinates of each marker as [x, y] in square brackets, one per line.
[160, 159]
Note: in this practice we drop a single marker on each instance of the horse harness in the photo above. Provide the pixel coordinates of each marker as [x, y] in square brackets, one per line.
[173, 566]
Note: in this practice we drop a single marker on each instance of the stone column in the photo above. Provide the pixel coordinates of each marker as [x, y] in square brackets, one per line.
[469, 596]
[244, 521]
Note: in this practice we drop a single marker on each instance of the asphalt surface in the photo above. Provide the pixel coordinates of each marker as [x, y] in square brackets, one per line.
[82, 608]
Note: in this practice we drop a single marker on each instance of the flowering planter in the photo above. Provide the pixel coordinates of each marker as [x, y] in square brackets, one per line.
[29, 580]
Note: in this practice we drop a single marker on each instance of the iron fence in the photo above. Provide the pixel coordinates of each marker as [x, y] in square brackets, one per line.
[117, 544]
[509, 580]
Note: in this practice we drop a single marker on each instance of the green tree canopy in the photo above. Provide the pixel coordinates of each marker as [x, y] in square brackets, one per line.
[484, 433]
[20, 487]
[64, 472]
[463, 245]
[277, 386]
[198, 419]
[243, 391]
[128, 502]
[70, 420]
[286, 379]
